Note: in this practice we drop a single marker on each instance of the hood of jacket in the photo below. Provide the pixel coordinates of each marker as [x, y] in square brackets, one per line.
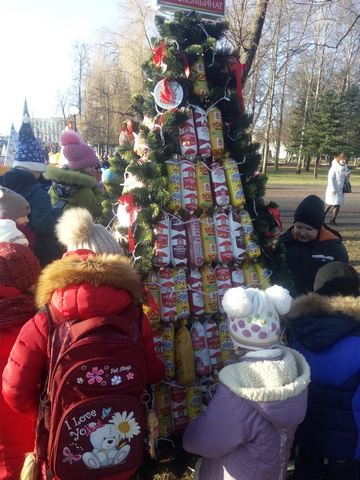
[318, 321]
[20, 181]
[69, 177]
[89, 285]
[271, 386]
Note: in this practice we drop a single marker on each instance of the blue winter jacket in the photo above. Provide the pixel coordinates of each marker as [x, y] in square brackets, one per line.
[326, 330]
[42, 217]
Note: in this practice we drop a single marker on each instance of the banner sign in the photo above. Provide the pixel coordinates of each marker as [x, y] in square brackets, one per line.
[206, 8]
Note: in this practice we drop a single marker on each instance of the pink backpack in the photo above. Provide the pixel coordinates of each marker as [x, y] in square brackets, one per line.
[92, 424]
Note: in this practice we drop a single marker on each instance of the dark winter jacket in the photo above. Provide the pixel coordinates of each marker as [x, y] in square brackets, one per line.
[248, 427]
[42, 218]
[326, 330]
[304, 259]
[77, 188]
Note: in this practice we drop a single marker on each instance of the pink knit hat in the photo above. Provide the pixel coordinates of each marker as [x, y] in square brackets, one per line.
[78, 154]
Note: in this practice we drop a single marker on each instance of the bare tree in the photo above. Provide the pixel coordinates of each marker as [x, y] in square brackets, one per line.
[81, 53]
[62, 104]
[281, 60]
[116, 72]
[279, 41]
[251, 44]
[128, 41]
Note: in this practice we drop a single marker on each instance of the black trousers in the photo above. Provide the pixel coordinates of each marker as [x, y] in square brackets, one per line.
[310, 466]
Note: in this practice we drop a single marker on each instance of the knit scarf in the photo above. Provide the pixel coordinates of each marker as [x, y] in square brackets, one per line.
[15, 308]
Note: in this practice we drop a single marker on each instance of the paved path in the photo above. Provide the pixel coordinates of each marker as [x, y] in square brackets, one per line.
[289, 196]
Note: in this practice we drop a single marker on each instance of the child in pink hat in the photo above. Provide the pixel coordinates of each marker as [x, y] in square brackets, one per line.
[74, 184]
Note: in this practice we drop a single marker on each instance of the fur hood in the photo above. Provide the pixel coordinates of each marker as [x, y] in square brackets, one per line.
[313, 304]
[113, 270]
[270, 380]
[69, 177]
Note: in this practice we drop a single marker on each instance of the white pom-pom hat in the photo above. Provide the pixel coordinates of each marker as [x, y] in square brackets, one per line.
[75, 230]
[253, 315]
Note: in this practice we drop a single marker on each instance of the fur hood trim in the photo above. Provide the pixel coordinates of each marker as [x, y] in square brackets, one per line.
[264, 381]
[313, 304]
[97, 270]
[70, 177]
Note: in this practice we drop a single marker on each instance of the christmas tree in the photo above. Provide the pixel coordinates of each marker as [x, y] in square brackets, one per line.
[191, 212]
[185, 43]
[11, 146]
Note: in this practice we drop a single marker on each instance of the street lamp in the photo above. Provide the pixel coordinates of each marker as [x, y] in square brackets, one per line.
[74, 111]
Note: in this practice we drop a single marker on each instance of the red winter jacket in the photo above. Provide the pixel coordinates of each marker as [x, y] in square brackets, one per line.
[15, 309]
[78, 286]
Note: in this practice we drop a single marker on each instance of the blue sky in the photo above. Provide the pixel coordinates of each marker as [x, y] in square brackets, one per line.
[36, 38]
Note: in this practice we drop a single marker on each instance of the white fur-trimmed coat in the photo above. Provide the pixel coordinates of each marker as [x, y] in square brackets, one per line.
[336, 177]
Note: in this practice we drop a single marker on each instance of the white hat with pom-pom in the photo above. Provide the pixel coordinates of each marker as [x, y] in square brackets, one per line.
[76, 230]
[253, 315]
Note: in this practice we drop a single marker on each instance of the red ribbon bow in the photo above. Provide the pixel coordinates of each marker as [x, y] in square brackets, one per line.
[234, 66]
[165, 93]
[127, 201]
[159, 54]
[129, 127]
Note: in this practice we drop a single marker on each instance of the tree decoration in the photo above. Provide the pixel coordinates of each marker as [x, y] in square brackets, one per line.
[192, 209]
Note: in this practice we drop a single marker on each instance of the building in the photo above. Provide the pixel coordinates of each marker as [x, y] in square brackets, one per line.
[47, 131]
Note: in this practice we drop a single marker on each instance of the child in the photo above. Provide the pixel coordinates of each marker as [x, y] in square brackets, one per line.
[76, 231]
[75, 183]
[309, 244]
[14, 211]
[22, 178]
[10, 233]
[81, 285]
[19, 270]
[325, 327]
[248, 427]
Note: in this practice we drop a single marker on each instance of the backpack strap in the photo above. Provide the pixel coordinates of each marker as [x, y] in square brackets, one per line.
[51, 325]
[42, 431]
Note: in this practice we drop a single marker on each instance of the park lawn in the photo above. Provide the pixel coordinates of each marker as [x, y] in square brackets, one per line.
[351, 239]
[286, 174]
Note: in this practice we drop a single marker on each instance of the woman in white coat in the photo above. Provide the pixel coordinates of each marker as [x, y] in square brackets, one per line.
[334, 191]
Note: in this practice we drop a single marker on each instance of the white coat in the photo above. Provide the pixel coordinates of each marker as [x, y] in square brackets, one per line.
[336, 177]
